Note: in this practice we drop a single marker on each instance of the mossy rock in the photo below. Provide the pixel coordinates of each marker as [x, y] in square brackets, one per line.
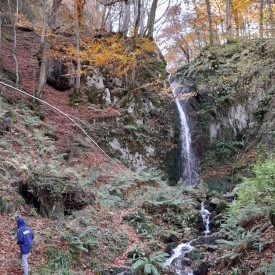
[195, 254]
[10, 205]
[55, 196]
[193, 217]
[12, 115]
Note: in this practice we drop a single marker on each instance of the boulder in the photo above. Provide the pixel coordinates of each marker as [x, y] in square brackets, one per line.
[57, 71]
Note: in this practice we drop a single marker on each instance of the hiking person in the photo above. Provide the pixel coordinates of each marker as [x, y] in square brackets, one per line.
[25, 241]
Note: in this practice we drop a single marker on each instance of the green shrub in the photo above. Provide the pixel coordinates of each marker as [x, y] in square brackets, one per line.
[57, 261]
[149, 264]
[260, 188]
[4, 206]
[255, 199]
[238, 241]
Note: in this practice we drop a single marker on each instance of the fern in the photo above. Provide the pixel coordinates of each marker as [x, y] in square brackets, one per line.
[150, 264]
[239, 241]
[268, 269]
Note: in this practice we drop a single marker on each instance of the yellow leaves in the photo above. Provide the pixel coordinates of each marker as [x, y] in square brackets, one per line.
[117, 54]
[22, 20]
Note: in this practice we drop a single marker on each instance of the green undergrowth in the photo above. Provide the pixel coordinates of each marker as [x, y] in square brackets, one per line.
[252, 211]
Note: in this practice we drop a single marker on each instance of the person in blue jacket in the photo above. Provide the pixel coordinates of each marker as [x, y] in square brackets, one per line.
[25, 241]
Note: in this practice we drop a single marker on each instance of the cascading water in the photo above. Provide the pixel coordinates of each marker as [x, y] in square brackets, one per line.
[205, 217]
[179, 252]
[188, 162]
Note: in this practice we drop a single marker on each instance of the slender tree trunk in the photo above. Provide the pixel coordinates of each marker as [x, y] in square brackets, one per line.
[261, 19]
[142, 18]
[53, 21]
[109, 22]
[151, 19]
[103, 18]
[44, 46]
[137, 21]
[228, 17]
[120, 20]
[209, 14]
[270, 18]
[237, 24]
[14, 23]
[126, 21]
[78, 63]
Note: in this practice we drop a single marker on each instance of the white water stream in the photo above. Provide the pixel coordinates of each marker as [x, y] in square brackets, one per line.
[205, 217]
[179, 252]
[178, 255]
[188, 161]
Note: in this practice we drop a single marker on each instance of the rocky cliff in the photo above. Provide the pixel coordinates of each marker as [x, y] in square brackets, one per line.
[232, 112]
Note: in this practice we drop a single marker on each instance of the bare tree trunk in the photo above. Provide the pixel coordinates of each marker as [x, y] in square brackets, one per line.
[109, 22]
[126, 21]
[137, 21]
[237, 24]
[43, 58]
[142, 18]
[103, 18]
[78, 63]
[53, 21]
[14, 23]
[228, 17]
[151, 19]
[120, 20]
[209, 14]
[261, 19]
[270, 18]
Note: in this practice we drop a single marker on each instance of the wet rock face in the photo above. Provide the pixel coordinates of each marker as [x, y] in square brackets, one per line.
[230, 121]
[57, 70]
[234, 99]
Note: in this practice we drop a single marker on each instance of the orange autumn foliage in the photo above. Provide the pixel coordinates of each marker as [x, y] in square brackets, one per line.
[115, 53]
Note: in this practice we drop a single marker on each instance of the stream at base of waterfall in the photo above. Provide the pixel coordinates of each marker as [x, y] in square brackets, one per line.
[177, 258]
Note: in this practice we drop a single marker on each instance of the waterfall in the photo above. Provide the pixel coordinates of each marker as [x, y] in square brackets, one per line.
[178, 255]
[205, 217]
[188, 164]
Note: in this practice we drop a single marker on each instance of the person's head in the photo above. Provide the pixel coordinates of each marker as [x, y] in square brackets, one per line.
[20, 222]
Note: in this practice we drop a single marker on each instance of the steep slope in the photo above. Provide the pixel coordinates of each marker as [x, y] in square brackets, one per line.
[51, 168]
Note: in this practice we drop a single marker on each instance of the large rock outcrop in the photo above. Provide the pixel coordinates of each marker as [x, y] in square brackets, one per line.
[141, 132]
[233, 106]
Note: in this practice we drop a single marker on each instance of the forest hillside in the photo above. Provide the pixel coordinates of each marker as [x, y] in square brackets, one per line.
[119, 168]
